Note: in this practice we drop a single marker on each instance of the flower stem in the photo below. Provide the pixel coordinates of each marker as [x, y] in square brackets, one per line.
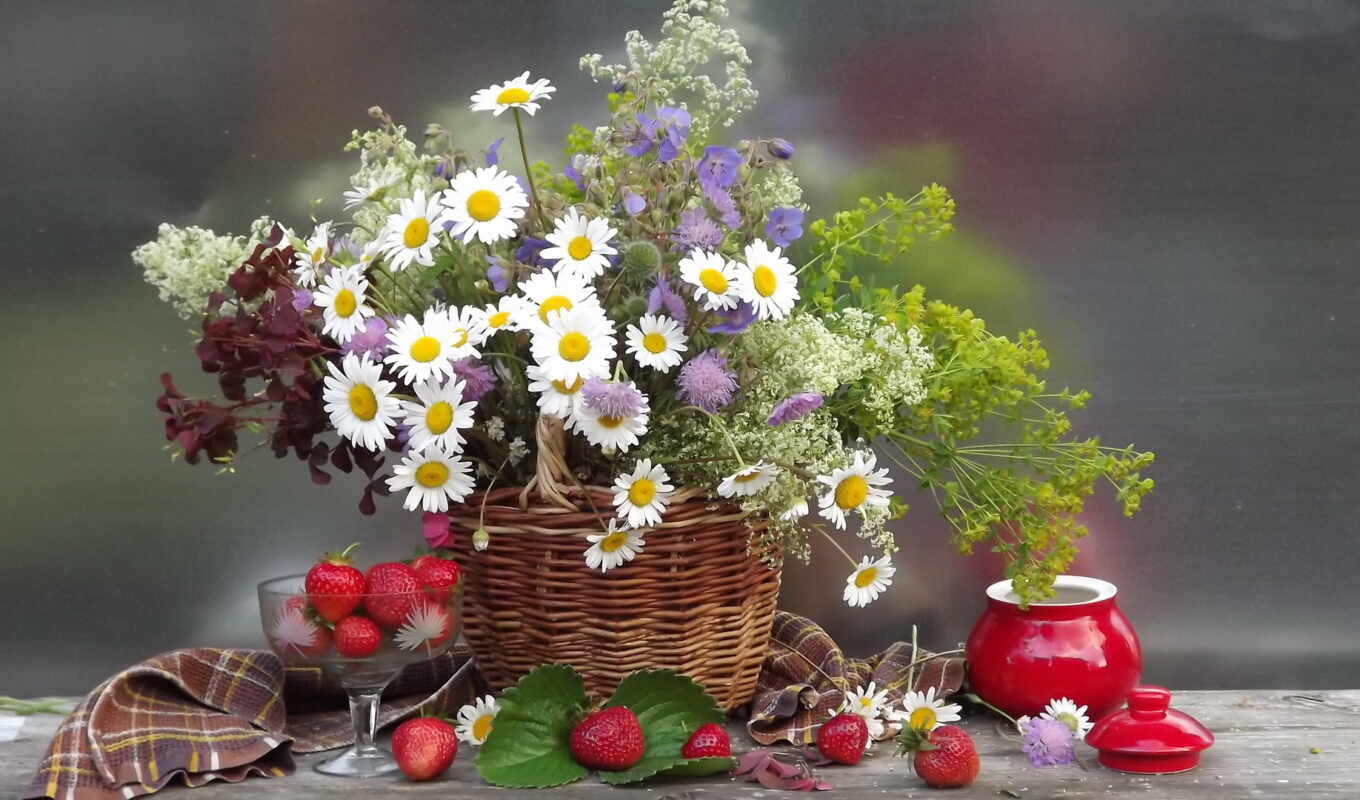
[528, 173]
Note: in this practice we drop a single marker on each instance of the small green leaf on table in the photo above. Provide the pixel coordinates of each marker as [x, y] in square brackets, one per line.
[527, 747]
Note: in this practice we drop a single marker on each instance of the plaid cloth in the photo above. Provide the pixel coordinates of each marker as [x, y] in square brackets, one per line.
[208, 714]
[805, 677]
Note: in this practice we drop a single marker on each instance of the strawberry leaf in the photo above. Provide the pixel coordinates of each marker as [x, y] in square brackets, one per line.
[669, 707]
[527, 747]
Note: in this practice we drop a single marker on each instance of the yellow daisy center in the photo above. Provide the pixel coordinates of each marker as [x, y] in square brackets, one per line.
[572, 389]
[417, 231]
[865, 576]
[555, 303]
[579, 248]
[362, 402]
[923, 718]
[865, 702]
[483, 205]
[481, 728]
[574, 346]
[425, 349]
[851, 492]
[1069, 720]
[642, 492]
[713, 280]
[614, 541]
[318, 254]
[344, 303]
[432, 474]
[654, 343]
[764, 280]
[610, 422]
[512, 94]
[499, 319]
[439, 417]
[462, 337]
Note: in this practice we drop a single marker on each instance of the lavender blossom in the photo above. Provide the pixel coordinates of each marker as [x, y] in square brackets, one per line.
[497, 274]
[718, 168]
[784, 225]
[727, 208]
[478, 379]
[666, 131]
[575, 176]
[493, 152]
[735, 319]
[697, 230]
[528, 253]
[1048, 743]
[612, 399]
[371, 341]
[633, 202]
[302, 300]
[706, 382]
[781, 148]
[793, 407]
[662, 296]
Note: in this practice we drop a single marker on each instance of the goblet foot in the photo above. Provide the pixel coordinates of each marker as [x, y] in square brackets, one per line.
[357, 762]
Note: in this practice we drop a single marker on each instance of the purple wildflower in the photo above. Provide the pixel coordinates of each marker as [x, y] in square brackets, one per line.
[633, 202]
[662, 296]
[493, 152]
[781, 148]
[497, 274]
[302, 300]
[735, 319]
[727, 208]
[575, 176]
[706, 382]
[697, 230]
[793, 407]
[371, 341]
[718, 168]
[528, 252]
[1048, 743]
[612, 398]
[784, 225]
[344, 242]
[666, 131]
[478, 379]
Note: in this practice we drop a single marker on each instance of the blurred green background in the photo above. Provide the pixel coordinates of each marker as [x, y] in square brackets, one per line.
[1167, 191]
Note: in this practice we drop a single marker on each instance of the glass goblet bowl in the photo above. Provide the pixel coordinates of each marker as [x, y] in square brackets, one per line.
[361, 642]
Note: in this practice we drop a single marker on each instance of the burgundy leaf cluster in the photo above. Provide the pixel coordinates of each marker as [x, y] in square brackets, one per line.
[766, 768]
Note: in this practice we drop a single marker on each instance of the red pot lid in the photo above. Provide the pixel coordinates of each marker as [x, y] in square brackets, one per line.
[1149, 736]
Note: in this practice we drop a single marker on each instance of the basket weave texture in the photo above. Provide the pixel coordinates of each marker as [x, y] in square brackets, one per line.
[695, 600]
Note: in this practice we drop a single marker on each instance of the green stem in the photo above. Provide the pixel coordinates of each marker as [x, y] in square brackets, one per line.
[528, 173]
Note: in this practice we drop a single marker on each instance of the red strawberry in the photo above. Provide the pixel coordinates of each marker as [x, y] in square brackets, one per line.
[946, 759]
[357, 637]
[335, 588]
[608, 740]
[843, 737]
[424, 747]
[438, 576]
[393, 592]
[710, 741]
[321, 635]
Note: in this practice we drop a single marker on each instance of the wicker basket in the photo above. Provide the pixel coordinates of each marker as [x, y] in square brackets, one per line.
[695, 600]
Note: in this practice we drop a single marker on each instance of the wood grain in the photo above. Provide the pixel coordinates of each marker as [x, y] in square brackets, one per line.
[1264, 749]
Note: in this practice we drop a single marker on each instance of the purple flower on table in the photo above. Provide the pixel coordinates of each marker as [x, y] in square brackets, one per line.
[662, 296]
[611, 398]
[478, 379]
[784, 225]
[794, 407]
[1048, 743]
[735, 319]
[633, 202]
[718, 168]
[302, 300]
[370, 341]
[781, 148]
[697, 230]
[706, 382]
[497, 274]
[493, 152]
[666, 131]
[528, 252]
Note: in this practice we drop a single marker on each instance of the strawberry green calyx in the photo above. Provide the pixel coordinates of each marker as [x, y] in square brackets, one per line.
[341, 558]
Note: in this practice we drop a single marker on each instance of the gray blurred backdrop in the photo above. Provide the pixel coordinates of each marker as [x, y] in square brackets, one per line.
[1169, 192]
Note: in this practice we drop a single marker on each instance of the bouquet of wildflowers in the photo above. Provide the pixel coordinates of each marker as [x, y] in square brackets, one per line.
[661, 295]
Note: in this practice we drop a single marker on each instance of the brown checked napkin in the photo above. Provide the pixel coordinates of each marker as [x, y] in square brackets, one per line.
[805, 678]
[209, 714]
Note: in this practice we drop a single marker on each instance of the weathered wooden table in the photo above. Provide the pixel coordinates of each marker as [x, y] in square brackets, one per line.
[1270, 745]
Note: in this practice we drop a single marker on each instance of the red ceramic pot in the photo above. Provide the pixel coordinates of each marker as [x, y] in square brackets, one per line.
[1078, 645]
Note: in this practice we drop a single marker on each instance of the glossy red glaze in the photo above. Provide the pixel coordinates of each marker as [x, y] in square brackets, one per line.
[1149, 736]
[1085, 650]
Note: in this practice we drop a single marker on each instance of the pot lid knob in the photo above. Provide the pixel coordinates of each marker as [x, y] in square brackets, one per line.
[1149, 702]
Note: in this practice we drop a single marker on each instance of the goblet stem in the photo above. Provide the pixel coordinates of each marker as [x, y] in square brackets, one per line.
[363, 711]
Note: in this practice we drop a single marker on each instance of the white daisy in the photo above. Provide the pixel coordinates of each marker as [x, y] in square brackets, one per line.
[375, 189]
[311, 257]
[341, 299]
[484, 204]
[425, 350]
[360, 404]
[924, 711]
[856, 487]
[606, 432]
[432, 477]
[546, 292]
[748, 480]
[555, 398]
[640, 497]
[516, 93]
[438, 414]
[581, 246]
[767, 281]
[293, 631]
[412, 233]
[796, 511]
[469, 331]
[427, 626]
[868, 704]
[613, 547]
[1069, 713]
[713, 278]
[657, 341]
[868, 581]
[475, 720]
[506, 314]
[574, 344]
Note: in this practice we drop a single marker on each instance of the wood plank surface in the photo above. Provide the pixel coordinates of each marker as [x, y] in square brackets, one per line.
[1269, 745]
